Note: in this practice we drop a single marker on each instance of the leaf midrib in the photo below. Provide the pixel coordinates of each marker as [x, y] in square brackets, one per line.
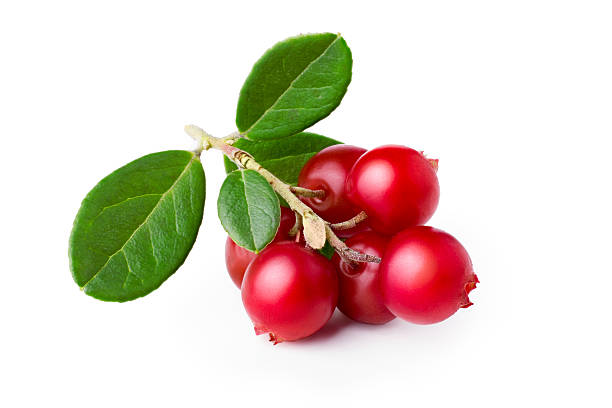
[246, 199]
[187, 166]
[246, 132]
[120, 203]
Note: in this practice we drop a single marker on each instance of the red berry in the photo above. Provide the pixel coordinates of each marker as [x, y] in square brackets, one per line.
[289, 291]
[287, 221]
[237, 259]
[426, 275]
[360, 297]
[327, 171]
[396, 186]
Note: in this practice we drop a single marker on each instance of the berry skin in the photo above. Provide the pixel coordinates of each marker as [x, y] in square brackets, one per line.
[396, 186]
[237, 259]
[426, 275]
[289, 291]
[360, 297]
[327, 170]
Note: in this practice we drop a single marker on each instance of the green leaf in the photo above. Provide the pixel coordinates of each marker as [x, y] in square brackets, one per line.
[248, 209]
[135, 228]
[294, 84]
[283, 157]
[327, 250]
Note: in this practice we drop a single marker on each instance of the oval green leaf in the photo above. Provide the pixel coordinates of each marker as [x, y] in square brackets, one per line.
[248, 209]
[136, 227]
[283, 157]
[295, 84]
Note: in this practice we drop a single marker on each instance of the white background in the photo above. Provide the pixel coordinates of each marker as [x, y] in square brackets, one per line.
[514, 98]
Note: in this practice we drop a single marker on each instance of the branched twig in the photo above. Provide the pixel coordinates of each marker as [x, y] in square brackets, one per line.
[306, 192]
[316, 230]
[352, 223]
[297, 226]
[345, 252]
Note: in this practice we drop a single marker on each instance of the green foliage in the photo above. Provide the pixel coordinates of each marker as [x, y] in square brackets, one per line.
[248, 209]
[136, 226]
[283, 157]
[294, 84]
[327, 250]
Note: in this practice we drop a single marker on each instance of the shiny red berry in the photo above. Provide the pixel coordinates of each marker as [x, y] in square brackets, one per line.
[327, 171]
[360, 297]
[426, 275]
[396, 186]
[237, 259]
[289, 291]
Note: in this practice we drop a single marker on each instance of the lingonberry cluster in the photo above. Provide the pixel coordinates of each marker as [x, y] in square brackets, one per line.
[290, 291]
[351, 235]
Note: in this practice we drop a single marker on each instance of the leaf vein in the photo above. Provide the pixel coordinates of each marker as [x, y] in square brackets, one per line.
[176, 227]
[152, 246]
[119, 203]
[130, 271]
[291, 85]
[246, 198]
[187, 167]
[315, 87]
[191, 192]
[302, 108]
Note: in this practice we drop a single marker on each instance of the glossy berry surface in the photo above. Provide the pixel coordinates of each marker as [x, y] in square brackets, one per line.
[289, 291]
[426, 275]
[360, 297]
[396, 186]
[237, 259]
[327, 171]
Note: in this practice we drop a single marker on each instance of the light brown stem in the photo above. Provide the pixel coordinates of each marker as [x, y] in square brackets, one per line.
[316, 230]
[352, 223]
[232, 137]
[297, 226]
[345, 252]
[306, 192]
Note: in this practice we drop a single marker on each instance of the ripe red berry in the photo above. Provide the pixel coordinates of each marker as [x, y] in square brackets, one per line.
[396, 186]
[237, 259]
[426, 275]
[289, 291]
[360, 297]
[327, 171]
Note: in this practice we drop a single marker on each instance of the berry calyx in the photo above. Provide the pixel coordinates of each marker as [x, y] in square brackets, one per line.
[289, 291]
[360, 297]
[426, 275]
[396, 186]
